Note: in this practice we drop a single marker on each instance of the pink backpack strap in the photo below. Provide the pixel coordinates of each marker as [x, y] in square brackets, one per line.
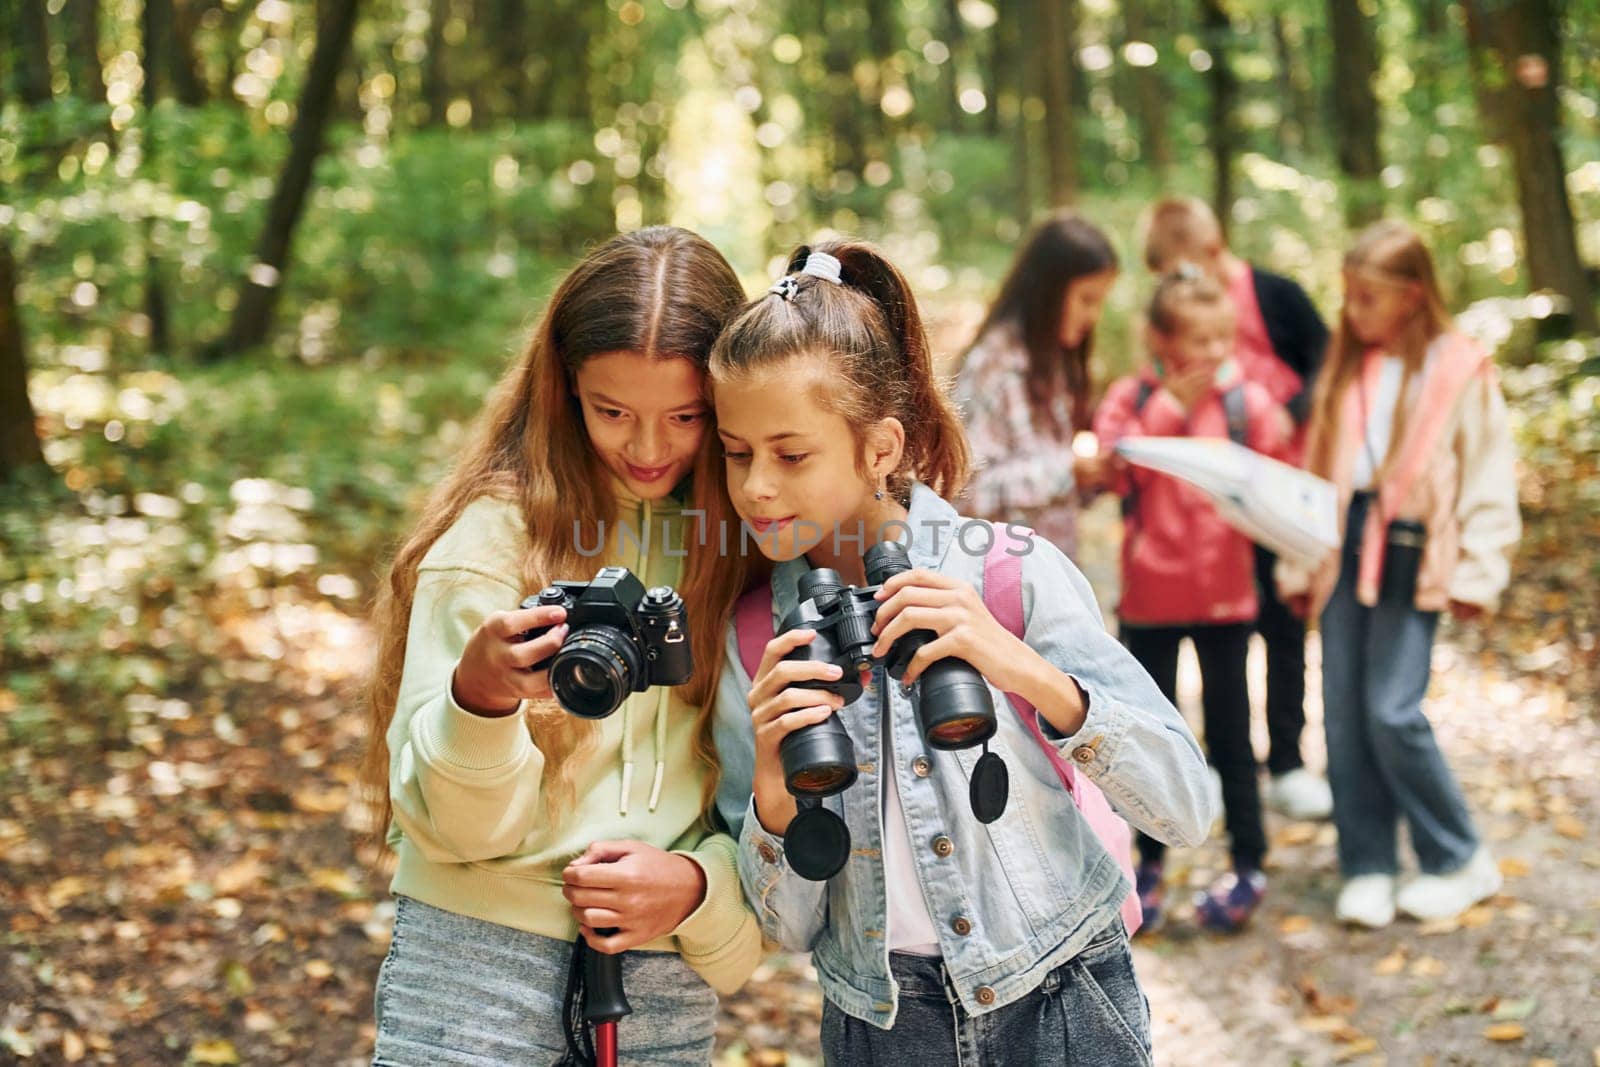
[752, 624]
[1002, 595]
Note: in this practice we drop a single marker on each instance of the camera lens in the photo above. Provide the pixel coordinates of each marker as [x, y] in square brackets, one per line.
[595, 671]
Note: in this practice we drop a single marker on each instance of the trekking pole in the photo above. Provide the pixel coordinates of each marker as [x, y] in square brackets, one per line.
[604, 1001]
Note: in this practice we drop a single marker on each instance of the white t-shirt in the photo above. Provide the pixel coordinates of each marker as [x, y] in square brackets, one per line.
[911, 927]
[1380, 408]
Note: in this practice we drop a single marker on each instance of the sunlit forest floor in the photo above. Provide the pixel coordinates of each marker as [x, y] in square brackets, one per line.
[179, 880]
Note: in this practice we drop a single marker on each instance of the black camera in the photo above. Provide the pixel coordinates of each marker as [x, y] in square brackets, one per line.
[622, 639]
[954, 711]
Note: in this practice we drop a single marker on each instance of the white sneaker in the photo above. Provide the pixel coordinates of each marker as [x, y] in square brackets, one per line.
[1367, 900]
[1300, 795]
[1444, 896]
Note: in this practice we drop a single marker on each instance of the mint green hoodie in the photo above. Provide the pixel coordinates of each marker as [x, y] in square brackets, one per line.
[471, 827]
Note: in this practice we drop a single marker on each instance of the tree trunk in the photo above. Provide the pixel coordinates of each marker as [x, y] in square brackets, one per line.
[83, 51]
[188, 83]
[435, 76]
[1355, 110]
[511, 50]
[1517, 67]
[1012, 62]
[1060, 128]
[1149, 92]
[19, 435]
[156, 25]
[253, 315]
[1218, 39]
[956, 39]
[31, 52]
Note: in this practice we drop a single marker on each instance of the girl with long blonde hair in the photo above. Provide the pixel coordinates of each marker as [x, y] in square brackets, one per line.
[1410, 425]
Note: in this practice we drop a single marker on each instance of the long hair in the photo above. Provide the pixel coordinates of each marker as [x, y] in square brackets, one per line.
[661, 292]
[1391, 251]
[1032, 300]
[870, 330]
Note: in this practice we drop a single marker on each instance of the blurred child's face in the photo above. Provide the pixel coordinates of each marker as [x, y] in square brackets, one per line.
[794, 467]
[1378, 308]
[645, 416]
[1082, 303]
[1202, 335]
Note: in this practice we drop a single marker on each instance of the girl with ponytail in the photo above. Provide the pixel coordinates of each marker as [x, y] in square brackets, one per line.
[935, 935]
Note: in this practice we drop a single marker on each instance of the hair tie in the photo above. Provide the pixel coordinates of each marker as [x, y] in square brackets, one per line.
[817, 265]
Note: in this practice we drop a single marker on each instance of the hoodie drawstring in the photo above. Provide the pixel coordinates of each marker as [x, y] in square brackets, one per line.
[641, 568]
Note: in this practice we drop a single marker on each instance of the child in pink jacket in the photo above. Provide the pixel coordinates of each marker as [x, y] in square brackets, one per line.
[1188, 574]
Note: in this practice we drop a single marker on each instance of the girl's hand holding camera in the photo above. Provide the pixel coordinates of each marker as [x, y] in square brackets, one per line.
[777, 709]
[639, 891]
[492, 676]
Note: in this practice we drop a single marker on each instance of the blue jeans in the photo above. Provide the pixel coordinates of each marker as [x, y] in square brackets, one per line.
[1383, 761]
[458, 990]
[1089, 1012]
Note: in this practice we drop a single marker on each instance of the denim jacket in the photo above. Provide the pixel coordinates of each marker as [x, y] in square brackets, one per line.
[1014, 899]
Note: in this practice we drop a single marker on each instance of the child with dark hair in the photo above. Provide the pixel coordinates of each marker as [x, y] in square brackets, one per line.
[1025, 386]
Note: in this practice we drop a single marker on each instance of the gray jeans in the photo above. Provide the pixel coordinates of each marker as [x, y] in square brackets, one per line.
[457, 990]
[1383, 761]
[1089, 1012]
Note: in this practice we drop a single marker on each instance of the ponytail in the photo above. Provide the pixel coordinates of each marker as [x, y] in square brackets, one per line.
[868, 326]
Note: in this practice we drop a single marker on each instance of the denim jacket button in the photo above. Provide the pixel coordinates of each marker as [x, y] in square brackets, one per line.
[767, 853]
[985, 995]
[1083, 753]
[962, 925]
[943, 846]
[921, 766]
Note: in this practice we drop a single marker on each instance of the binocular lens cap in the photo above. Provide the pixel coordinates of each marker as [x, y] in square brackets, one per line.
[991, 785]
[817, 844]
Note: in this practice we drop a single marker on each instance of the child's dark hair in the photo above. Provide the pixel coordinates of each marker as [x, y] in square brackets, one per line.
[868, 328]
[1178, 289]
[1062, 249]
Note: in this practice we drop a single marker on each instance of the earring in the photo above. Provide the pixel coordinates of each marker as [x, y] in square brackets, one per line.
[878, 493]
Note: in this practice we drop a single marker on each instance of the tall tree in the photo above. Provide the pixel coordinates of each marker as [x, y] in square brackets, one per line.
[30, 51]
[1218, 29]
[1057, 19]
[1517, 64]
[156, 27]
[188, 81]
[435, 71]
[259, 292]
[1149, 90]
[83, 50]
[19, 438]
[1355, 109]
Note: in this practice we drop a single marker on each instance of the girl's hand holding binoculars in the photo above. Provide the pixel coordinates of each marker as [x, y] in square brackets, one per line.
[492, 677]
[927, 600]
[777, 709]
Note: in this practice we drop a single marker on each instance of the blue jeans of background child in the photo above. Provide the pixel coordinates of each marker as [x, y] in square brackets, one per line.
[1383, 761]
[457, 990]
[1089, 1012]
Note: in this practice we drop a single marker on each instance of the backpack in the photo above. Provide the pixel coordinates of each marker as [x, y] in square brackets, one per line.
[1002, 595]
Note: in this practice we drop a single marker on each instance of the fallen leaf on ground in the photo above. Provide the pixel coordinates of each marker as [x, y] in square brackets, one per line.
[1505, 1032]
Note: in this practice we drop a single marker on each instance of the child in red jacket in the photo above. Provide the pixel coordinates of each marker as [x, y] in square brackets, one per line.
[1187, 573]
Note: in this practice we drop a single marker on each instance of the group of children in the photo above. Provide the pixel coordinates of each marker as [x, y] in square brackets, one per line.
[652, 397]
